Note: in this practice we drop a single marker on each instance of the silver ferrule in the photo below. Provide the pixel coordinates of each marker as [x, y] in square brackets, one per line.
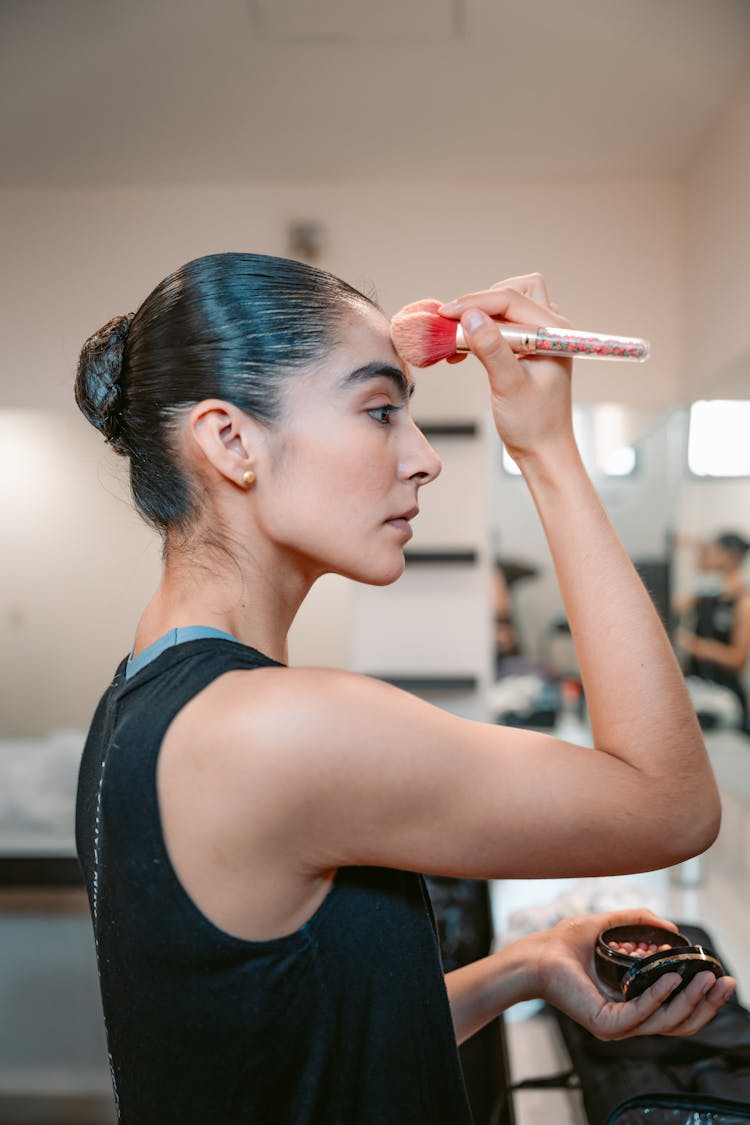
[521, 338]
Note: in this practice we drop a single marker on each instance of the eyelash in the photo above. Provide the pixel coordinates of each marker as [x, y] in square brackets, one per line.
[387, 411]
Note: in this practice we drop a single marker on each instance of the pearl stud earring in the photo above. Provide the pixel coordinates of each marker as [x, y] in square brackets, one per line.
[248, 478]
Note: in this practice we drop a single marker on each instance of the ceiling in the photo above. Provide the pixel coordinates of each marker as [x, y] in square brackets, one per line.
[96, 92]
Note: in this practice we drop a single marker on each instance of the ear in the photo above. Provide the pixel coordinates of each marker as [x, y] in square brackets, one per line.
[223, 434]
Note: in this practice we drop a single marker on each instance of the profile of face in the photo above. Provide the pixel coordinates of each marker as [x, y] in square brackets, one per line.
[714, 557]
[339, 474]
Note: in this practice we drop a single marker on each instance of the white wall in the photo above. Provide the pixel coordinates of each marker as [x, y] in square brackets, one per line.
[77, 566]
[611, 250]
[718, 254]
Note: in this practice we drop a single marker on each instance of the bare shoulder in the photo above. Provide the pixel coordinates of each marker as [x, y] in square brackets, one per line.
[236, 780]
[264, 718]
[266, 721]
[311, 748]
[278, 698]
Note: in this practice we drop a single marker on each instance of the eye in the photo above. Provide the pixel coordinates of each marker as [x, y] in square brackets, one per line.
[382, 414]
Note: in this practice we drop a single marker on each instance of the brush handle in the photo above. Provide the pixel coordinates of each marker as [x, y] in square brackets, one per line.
[527, 340]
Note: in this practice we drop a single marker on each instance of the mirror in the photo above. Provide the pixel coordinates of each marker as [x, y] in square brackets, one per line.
[634, 458]
[653, 474]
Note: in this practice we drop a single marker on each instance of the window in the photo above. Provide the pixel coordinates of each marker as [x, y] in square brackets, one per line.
[719, 438]
[620, 462]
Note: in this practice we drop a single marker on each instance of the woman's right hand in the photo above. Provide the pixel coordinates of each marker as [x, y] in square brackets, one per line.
[531, 397]
[566, 978]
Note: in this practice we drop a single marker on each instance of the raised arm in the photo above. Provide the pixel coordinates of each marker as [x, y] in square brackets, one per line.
[634, 687]
[327, 768]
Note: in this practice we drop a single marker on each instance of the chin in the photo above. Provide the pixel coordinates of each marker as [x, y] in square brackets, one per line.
[380, 572]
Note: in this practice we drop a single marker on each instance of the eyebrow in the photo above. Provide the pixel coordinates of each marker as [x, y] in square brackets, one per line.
[403, 386]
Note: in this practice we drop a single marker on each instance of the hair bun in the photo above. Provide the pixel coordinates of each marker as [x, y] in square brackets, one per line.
[98, 387]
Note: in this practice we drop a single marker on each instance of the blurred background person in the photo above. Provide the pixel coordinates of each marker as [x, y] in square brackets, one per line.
[714, 621]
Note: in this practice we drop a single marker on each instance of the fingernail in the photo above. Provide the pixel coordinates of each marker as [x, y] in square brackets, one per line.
[450, 306]
[473, 319]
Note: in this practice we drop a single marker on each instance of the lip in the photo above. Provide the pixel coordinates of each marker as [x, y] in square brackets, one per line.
[410, 515]
[401, 523]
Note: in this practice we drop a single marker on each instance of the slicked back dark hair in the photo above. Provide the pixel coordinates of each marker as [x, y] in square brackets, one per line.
[226, 326]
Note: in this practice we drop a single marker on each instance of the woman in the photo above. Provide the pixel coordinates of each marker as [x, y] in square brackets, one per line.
[716, 635]
[249, 831]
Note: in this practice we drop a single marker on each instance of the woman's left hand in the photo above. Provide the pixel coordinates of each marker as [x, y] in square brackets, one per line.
[566, 979]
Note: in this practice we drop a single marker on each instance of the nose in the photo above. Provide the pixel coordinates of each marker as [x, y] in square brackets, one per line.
[419, 462]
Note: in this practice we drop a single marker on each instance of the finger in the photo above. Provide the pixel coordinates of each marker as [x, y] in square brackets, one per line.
[682, 1006]
[507, 304]
[531, 284]
[615, 1020]
[689, 1009]
[492, 349]
[649, 1006]
[654, 1013]
[711, 1002]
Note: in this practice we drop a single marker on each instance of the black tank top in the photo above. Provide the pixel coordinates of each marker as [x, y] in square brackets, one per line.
[343, 1022]
[714, 618]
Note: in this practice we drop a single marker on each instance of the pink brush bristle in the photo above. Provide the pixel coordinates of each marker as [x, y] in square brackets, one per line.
[421, 336]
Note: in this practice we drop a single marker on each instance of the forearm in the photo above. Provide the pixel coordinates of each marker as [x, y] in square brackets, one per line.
[717, 652]
[638, 705]
[482, 990]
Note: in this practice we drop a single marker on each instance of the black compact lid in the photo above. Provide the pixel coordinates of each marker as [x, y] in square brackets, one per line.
[687, 961]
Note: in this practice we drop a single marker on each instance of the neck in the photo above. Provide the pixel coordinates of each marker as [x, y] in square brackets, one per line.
[733, 582]
[254, 600]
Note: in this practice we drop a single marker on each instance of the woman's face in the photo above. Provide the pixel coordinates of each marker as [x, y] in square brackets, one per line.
[344, 465]
[712, 556]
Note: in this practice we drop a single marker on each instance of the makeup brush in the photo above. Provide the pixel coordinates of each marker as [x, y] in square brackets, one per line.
[422, 337]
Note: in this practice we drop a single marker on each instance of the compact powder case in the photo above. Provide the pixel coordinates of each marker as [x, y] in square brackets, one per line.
[631, 973]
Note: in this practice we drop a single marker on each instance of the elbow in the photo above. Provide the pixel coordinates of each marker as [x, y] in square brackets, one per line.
[683, 810]
[695, 825]
[670, 832]
[704, 833]
[691, 804]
